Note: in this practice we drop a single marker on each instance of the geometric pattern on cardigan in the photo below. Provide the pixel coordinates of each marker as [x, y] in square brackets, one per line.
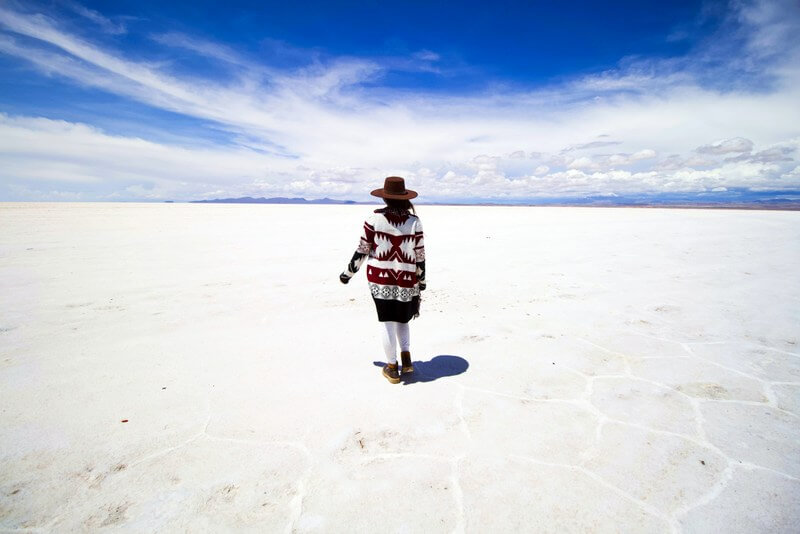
[392, 242]
[402, 294]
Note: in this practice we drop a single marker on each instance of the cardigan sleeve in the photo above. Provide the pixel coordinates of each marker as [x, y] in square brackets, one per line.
[365, 244]
[419, 250]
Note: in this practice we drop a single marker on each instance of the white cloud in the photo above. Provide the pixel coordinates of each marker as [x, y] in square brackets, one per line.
[319, 130]
[793, 175]
[427, 55]
[581, 163]
[769, 155]
[79, 155]
[727, 146]
[772, 25]
[202, 47]
[106, 24]
[593, 144]
[697, 161]
[646, 153]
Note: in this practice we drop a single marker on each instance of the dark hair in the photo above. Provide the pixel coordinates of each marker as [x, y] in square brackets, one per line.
[403, 204]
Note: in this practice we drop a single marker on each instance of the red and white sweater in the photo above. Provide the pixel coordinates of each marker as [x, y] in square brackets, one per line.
[394, 243]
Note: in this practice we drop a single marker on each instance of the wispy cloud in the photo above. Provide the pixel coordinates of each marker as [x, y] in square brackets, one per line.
[205, 48]
[107, 25]
[727, 146]
[592, 144]
[328, 127]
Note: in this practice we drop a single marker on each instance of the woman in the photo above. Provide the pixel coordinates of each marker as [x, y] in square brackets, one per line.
[392, 238]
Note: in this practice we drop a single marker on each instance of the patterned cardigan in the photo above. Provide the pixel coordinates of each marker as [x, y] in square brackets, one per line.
[393, 241]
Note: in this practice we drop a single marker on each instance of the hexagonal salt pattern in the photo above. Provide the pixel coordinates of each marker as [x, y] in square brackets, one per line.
[700, 379]
[517, 495]
[592, 403]
[755, 434]
[753, 500]
[667, 471]
[548, 430]
[250, 487]
[787, 397]
[752, 360]
[645, 403]
[367, 495]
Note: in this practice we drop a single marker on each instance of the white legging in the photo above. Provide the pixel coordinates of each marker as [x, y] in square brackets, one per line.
[394, 333]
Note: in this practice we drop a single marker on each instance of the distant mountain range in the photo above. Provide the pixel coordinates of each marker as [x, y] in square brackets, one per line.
[732, 198]
[274, 200]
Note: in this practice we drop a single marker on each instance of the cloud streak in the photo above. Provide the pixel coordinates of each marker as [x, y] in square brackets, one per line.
[726, 146]
[331, 128]
[106, 24]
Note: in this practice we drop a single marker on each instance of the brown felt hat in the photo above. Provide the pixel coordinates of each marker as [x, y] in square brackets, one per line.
[394, 187]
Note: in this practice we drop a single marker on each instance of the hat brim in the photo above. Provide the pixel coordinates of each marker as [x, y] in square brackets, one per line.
[409, 194]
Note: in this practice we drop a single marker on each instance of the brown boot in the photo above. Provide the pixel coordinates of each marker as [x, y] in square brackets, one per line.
[390, 372]
[405, 357]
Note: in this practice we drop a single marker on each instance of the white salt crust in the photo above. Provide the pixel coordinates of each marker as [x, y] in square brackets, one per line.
[630, 370]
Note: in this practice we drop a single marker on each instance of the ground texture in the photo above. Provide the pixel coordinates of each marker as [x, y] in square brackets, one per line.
[578, 370]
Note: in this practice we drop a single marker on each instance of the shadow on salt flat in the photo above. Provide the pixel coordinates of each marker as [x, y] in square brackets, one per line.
[438, 367]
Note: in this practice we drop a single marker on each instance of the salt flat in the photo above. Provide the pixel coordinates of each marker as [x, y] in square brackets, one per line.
[579, 370]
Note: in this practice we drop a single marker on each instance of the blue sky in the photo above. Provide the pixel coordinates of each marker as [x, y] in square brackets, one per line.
[477, 100]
